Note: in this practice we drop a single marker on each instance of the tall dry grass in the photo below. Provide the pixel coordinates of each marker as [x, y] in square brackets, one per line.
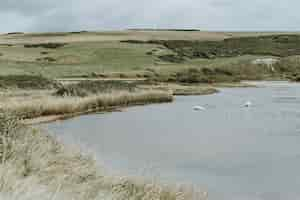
[36, 167]
[51, 105]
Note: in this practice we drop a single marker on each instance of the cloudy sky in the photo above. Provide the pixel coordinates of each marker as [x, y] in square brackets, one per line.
[71, 15]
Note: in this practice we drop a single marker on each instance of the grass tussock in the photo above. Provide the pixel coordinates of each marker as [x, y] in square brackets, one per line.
[35, 166]
[51, 105]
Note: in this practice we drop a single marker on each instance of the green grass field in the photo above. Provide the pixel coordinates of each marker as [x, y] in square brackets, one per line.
[79, 58]
[90, 53]
[85, 58]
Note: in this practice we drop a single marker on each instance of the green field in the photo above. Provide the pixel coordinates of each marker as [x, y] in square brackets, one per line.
[88, 54]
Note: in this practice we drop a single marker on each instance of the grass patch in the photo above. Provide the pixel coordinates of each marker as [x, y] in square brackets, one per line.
[205, 75]
[273, 45]
[86, 88]
[26, 82]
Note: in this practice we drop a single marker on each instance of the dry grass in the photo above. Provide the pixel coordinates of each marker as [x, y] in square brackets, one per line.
[36, 166]
[50, 105]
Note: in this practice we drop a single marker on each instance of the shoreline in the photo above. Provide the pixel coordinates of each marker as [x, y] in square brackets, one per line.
[61, 158]
[53, 118]
[37, 165]
[177, 90]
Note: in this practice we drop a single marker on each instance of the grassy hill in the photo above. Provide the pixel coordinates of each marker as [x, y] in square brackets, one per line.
[85, 54]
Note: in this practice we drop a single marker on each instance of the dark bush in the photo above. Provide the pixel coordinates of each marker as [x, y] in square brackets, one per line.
[45, 45]
[171, 58]
[46, 59]
[297, 78]
[134, 41]
[149, 53]
[15, 33]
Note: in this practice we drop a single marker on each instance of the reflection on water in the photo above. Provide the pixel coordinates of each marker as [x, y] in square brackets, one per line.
[235, 152]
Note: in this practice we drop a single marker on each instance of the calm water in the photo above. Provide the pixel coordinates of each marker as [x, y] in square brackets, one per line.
[236, 153]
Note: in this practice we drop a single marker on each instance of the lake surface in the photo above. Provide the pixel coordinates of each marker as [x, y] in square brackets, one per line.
[234, 152]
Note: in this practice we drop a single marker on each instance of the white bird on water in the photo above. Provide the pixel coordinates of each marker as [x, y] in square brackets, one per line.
[198, 108]
[248, 104]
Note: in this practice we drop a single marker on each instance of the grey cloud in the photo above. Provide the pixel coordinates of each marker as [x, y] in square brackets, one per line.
[65, 15]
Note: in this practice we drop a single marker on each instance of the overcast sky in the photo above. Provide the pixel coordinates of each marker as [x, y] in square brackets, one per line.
[72, 15]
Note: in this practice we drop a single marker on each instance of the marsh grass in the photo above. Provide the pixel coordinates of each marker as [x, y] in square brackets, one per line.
[50, 105]
[38, 167]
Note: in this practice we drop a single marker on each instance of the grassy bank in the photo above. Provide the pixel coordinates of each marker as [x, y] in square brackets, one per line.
[34, 96]
[50, 105]
[33, 165]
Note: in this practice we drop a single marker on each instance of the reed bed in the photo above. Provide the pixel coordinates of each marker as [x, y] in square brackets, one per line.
[52, 105]
[35, 166]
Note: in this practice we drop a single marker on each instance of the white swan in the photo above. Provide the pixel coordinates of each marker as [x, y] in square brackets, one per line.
[198, 108]
[248, 104]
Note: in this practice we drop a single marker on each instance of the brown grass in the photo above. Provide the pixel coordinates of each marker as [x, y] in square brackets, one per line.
[35, 166]
[49, 105]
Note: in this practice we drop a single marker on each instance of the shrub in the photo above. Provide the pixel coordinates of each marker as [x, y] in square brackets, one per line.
[45, 45]
[44, 52]
[171, 58]
[133, 41]
[46, 59]
[149, 53]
